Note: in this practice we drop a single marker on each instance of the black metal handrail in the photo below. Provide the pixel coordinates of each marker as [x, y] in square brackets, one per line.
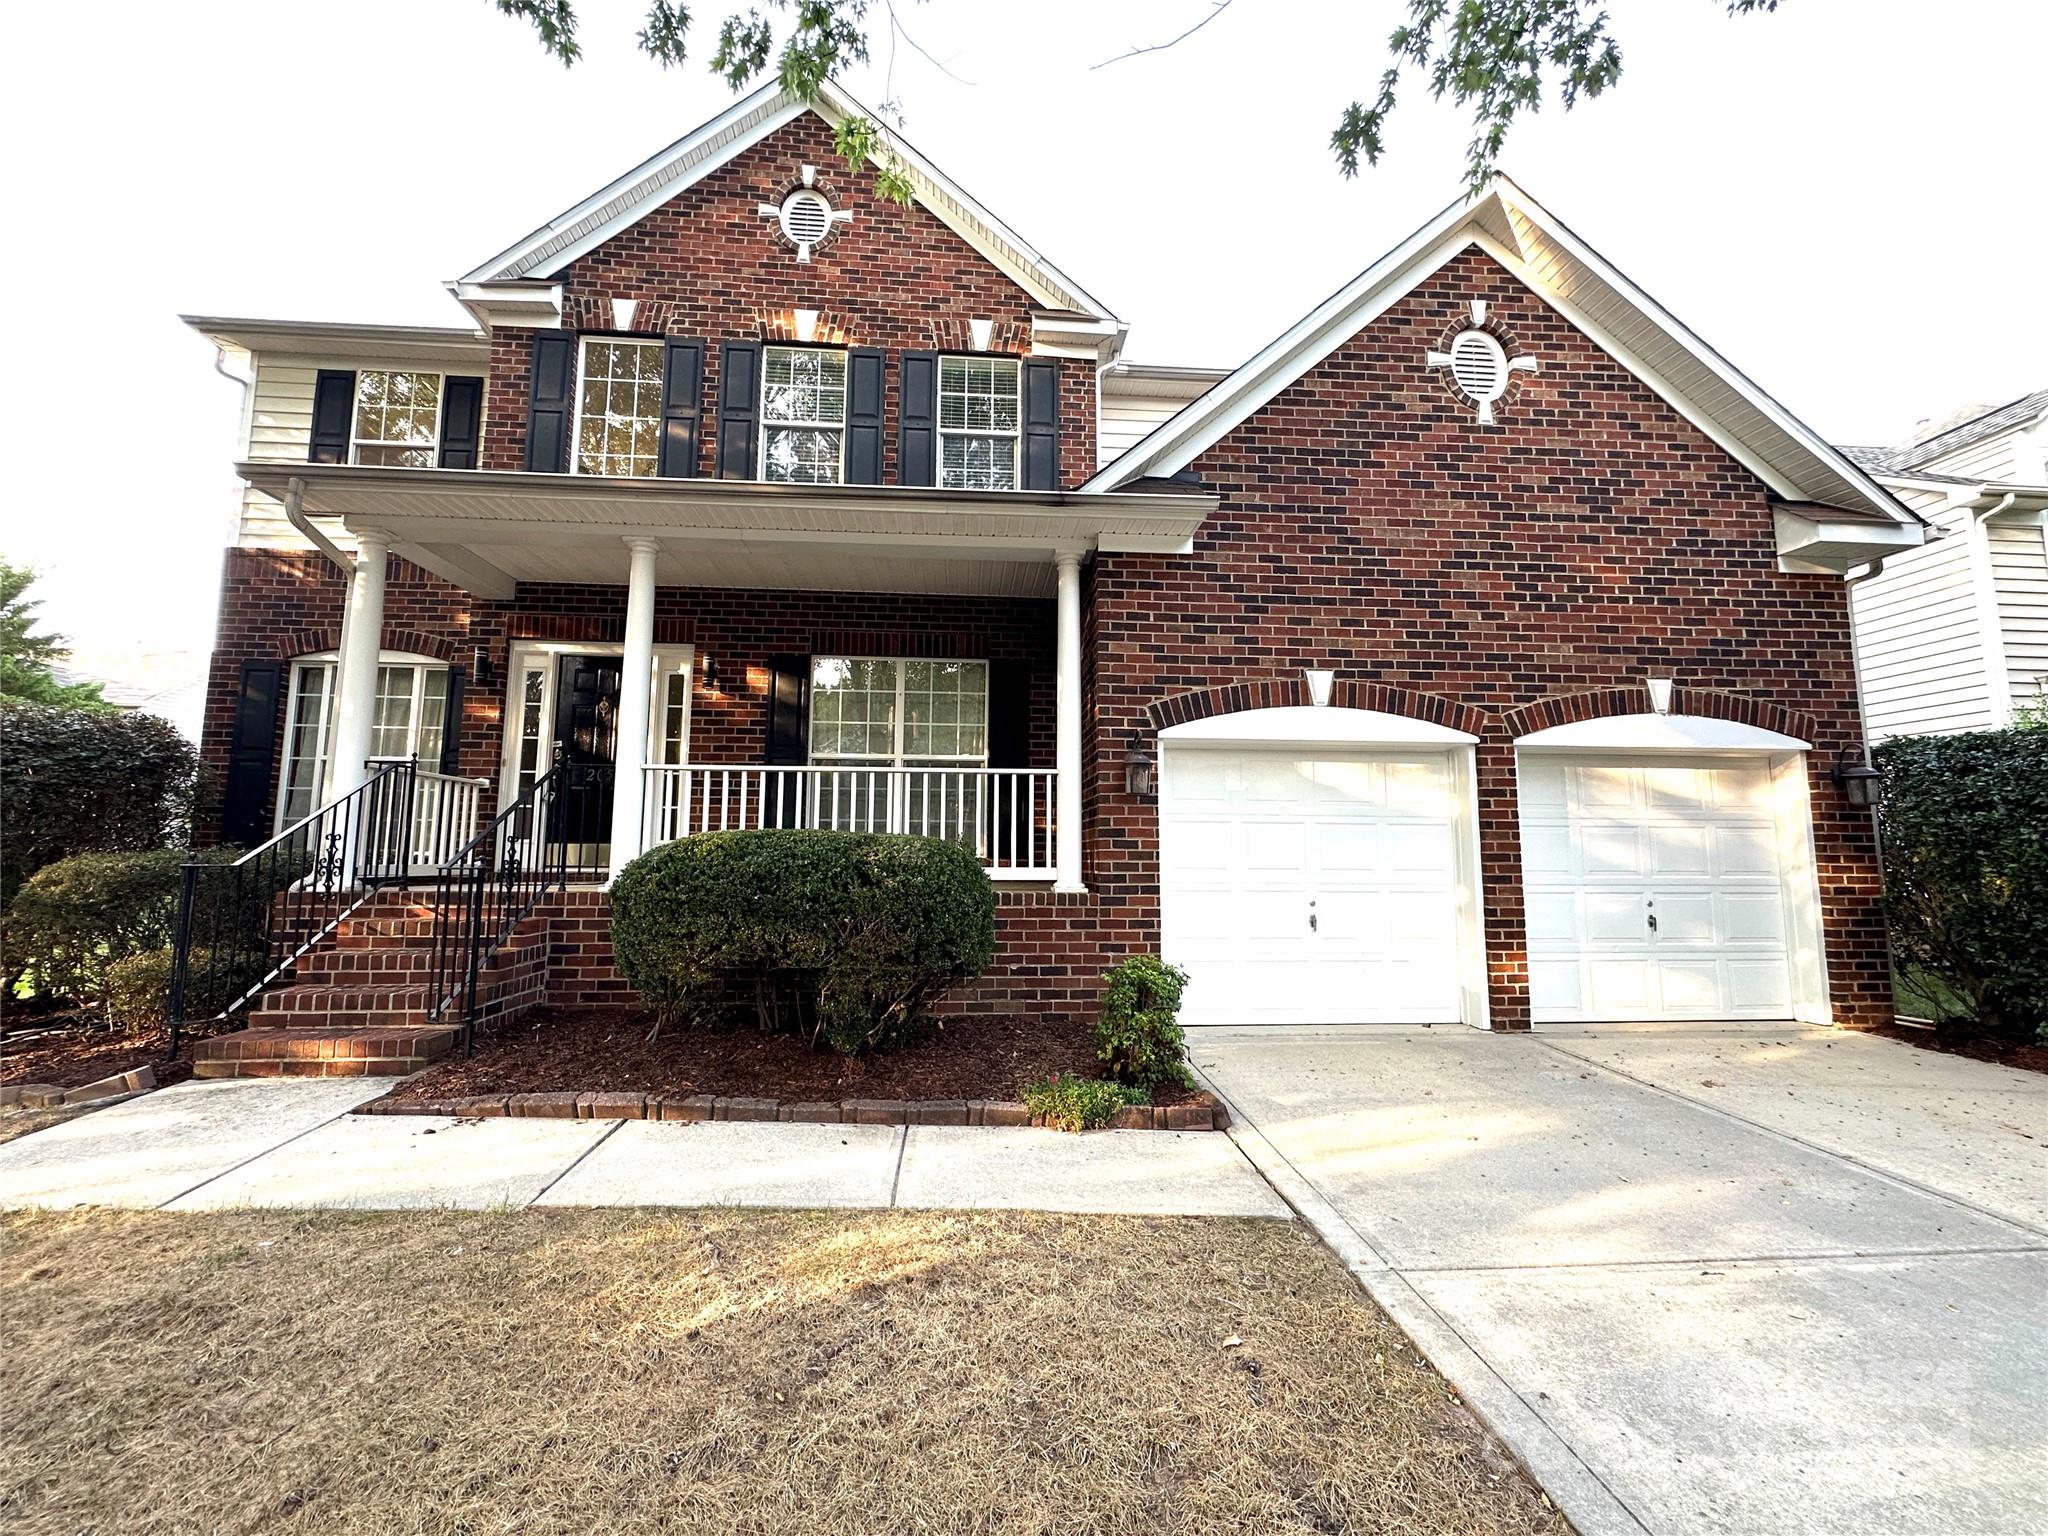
[556, 829]
[242, 925]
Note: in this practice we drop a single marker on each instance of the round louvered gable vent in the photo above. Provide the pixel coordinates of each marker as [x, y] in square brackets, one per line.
[806, 216]
[1479, 365]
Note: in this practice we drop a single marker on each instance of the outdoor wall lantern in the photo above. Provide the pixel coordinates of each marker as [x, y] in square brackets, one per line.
[710, 675]
[1139, 772]
[1861, 785]
[480, 663]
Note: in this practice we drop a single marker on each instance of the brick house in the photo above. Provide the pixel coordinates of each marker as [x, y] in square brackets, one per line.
[1477, 652]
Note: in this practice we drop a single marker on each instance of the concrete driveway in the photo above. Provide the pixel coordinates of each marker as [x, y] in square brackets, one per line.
[1702, 1281]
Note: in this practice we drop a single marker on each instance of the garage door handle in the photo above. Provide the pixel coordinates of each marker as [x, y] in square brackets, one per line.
[1653, 922]
[1311, 922]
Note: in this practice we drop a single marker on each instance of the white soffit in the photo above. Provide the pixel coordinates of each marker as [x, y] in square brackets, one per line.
[630, 198]
[1306, 725]
[1512, 228]
[1659, 733]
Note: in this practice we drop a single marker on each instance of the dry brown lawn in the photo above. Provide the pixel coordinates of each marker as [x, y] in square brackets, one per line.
[718, 1372]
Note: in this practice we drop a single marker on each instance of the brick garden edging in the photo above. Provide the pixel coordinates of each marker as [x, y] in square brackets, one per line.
[700, 1107]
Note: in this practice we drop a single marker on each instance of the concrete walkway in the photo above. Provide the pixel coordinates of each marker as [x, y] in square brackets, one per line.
[1733, 1282]
[291, 1143]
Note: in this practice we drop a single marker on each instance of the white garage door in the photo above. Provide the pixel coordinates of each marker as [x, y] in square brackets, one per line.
[1654, 888]
[1310, 889]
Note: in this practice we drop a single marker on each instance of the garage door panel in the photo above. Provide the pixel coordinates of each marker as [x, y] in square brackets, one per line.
[1250, 839]
[1609, 843]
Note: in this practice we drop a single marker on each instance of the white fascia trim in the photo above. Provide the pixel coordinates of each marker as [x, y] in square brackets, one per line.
[1726, 371]
[1306, 725]
[1176, 442]
[519, 301]
[1659, 733]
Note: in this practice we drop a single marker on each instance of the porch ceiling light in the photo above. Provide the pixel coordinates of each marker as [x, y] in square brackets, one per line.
[1320, 681]
[1861, 785]
[1139, 771]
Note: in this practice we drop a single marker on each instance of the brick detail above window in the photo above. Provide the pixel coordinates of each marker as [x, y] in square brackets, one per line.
[1007, 336]
[413, 642]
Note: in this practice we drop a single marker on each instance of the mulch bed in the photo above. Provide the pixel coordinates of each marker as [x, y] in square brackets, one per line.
[564, 1050]
[74, 1052]
[2004, 1053]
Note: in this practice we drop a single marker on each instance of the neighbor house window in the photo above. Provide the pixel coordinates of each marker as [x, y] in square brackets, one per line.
[409, 718]
[618, 408]
[869, 712]
[398, 418]
[803, 415]
[978, 423]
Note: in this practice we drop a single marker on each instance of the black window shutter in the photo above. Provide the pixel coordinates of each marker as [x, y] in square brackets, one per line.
[462, 422]
[1041, 424]
[864, 416]
[334, 410]
[451, 727]
[917, 420]
[789, 688]
[682, 406]
[550, 406]
[245, 797]
[739, 408]
[1009, 746]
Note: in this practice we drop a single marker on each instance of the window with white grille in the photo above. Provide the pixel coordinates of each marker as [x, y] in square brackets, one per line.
[978, 411]
[409, 718]
[803, 415]
[618, 407]
[397, 418]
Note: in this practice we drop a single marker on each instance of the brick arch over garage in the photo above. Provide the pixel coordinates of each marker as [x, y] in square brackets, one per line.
[412, 642]
[1291, 691]
[1600, 703]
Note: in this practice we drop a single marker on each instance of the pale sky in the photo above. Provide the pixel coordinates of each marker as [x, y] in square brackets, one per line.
[1847, 198]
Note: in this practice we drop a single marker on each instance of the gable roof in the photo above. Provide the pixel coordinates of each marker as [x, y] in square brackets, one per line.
[1532, 244]
[623, 202]
[2004, 418]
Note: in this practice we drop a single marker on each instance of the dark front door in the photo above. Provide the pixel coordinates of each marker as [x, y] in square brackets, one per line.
[587, 738]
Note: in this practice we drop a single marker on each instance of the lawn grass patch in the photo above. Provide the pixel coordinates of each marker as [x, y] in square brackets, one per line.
[720, 1372]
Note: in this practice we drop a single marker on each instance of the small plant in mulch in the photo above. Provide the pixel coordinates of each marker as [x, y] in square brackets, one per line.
[1079, 1103]
[1138, 1036]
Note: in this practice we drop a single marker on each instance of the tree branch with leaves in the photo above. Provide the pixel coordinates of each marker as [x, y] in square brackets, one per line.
[1500, 58]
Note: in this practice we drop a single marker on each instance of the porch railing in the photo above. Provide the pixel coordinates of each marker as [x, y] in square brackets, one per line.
[437, 819]
[241, 925]
[1006, 815]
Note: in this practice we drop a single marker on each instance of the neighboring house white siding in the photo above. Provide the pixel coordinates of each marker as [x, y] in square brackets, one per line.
[1919, 645]
[2019, 566]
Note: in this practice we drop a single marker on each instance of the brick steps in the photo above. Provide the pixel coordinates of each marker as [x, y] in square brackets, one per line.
[359, 1004]
[321, 1052]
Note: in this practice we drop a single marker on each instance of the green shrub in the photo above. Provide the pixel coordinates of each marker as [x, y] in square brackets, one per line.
[1965, 829]
[72, 919]
[1080, 1103]
[846, 936]
[138, 987]
[1138, 1037]
[89, 781]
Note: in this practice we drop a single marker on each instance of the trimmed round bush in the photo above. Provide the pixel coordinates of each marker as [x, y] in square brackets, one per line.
[846, 936]
[71, 919]
[138, 987]
[1138, 1037]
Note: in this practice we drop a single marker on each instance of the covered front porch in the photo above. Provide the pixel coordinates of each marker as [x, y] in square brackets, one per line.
[871, 659]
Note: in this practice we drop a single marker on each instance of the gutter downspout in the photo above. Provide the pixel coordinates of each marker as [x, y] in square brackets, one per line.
[1991, 633]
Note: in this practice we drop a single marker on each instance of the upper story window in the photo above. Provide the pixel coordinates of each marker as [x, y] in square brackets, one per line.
[803, 415]
[618, 407]
[397, 418]
[978, 410]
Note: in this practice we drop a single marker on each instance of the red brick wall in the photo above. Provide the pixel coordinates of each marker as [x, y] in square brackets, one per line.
[277, 603]
[708, 264]
[1590, 539]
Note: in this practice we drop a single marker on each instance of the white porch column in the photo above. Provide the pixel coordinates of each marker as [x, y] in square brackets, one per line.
[636, 681]
[356, 678]
[1067, 729]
